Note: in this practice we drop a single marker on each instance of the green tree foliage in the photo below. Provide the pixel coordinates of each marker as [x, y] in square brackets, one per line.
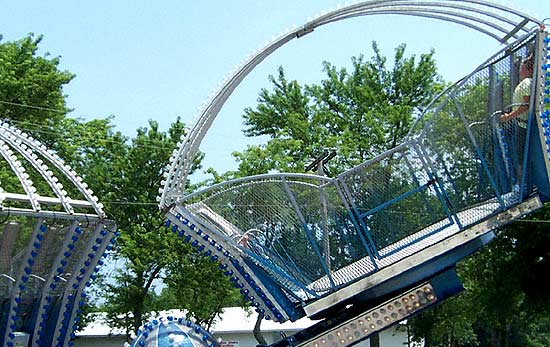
[124, 175]
[29, 84]
[32, 99]
[449, 324]
[505, 284]
[197, 286]
[505, 302]
[31, 87]
[361, 112]
[92, 148]
[153, 257]
[142, 245]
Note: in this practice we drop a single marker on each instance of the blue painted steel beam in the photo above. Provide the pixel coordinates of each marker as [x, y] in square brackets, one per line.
[358, 322]
[397, 199]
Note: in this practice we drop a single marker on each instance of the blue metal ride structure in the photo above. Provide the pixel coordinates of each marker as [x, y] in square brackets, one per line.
[173, 332]
[380, 242]
[53, 233]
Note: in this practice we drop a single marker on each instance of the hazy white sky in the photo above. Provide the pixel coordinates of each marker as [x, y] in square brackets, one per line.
[140, 60]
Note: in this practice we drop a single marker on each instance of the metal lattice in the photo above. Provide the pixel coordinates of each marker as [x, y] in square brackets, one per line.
[498, 22]
[289, 240]
[53, 232]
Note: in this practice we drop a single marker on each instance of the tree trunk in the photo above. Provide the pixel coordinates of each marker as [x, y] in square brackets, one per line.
[495, 338]
[138, 317]
[374, 340]
[257, 331]
[212, 317]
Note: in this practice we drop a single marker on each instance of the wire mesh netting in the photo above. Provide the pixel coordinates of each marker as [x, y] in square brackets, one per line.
[482, 157]
[298, 224]
[394, 195]
[464, 160]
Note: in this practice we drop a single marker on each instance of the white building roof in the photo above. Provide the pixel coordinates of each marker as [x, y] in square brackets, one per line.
[98, 327]
[235, 319]
[232, 320]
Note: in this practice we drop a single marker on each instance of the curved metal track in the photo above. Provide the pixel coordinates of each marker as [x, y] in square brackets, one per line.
[45, 162]
[295, 243]
[497, 21]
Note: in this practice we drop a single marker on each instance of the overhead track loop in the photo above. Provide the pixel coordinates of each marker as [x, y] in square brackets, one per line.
[496, 21]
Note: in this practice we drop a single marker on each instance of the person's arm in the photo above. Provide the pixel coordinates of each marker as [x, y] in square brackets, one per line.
[519, 110]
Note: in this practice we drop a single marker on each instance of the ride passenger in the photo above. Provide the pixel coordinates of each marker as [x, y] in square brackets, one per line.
[522, 94]
[520, 111]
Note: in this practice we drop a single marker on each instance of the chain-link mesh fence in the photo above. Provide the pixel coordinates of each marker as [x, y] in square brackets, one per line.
[297, 224]
[462, 162]
[476, 138]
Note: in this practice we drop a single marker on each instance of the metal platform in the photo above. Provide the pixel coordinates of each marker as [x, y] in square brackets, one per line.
[417, 242]
[433, 257]
[300, 244]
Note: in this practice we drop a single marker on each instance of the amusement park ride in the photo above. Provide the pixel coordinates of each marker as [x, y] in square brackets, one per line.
[358, 252]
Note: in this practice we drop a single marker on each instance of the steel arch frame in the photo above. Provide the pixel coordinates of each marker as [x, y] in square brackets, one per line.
[500, 19]
[13, 139]
[83, 239]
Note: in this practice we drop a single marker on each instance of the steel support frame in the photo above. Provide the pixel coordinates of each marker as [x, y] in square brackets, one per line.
[425, 255]
[182, 159]
[538, 102]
